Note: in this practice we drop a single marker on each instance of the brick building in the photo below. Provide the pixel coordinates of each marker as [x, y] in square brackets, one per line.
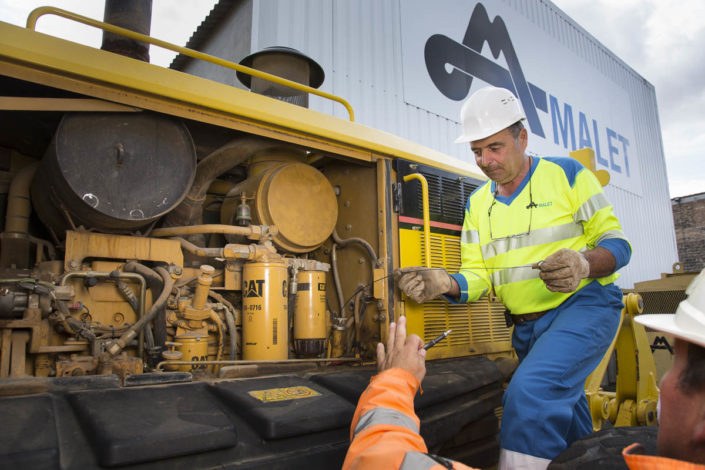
[689, 222]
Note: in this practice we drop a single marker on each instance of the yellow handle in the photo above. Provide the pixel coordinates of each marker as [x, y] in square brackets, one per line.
[41, 11]
[426, 216]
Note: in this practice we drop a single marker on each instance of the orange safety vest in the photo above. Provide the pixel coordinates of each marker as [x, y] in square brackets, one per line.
[650, 462]
[385, 429]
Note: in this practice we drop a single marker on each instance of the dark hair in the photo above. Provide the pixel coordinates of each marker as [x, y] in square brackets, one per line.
[693, 376]
[515, 129]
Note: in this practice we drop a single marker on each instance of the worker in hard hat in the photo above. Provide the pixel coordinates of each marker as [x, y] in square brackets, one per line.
[385, 428]
[681, 433]
[542, 234]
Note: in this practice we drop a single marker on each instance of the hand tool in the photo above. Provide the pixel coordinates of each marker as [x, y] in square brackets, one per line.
[436, 340]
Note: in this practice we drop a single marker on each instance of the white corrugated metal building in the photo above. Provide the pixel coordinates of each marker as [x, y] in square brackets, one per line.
[406, 66]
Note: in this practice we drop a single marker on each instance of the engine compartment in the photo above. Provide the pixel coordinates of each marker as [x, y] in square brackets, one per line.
[137, 242]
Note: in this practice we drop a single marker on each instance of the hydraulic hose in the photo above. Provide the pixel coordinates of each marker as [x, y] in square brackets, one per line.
[156, 285]
[119, 344]
[336, 280]
[190, 211]
[135, 304]
[229, 320]
[343, 242]
[221, 339]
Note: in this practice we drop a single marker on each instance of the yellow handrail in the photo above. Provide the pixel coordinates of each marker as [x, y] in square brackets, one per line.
[426, 216]
[41, 11]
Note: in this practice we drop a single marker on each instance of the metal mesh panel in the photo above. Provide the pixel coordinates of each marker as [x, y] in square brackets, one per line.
[446, 197]
[474, 323]
[664, 301]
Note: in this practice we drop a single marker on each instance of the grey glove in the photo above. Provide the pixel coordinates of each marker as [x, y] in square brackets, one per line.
[563, 270]
[421, 284]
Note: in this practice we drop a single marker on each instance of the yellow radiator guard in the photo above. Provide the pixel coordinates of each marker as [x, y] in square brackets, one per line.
[478, 327]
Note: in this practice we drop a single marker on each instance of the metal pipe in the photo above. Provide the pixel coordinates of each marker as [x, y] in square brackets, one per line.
[155, 285]
[200, 295]
[126, 337]
[253, 232]
[343, 242]
[356, 314]
[43, 243]
[19, 207]
[190, 211]
[35, 14]
[135, 304]
[123, 275]
[336, 280]
[135, 15]
[46, 284]
[199, 250]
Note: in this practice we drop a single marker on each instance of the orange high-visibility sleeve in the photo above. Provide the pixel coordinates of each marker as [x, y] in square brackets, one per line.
[385, 429]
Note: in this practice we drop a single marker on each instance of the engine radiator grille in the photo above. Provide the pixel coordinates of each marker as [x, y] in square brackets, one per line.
[478, 327]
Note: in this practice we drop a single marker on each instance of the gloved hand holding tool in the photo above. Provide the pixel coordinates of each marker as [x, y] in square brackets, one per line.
[563, 270]
[421, 284]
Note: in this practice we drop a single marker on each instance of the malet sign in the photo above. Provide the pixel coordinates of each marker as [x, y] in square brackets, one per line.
[454, 47]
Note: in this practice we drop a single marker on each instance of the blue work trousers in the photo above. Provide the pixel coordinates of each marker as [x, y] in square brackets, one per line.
[545, 408]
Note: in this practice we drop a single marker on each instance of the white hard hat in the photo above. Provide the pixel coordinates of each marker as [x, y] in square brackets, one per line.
[488, 111]
[688, 323]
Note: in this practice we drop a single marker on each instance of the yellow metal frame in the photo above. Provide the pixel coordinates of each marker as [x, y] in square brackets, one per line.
[36, 57]
[82, 245]
[633, 403]
[61, 104]
[41, 11]
[426, 215]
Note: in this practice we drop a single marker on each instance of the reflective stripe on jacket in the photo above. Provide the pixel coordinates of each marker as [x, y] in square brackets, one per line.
[650, 462]
[385, 429]
[560, 204]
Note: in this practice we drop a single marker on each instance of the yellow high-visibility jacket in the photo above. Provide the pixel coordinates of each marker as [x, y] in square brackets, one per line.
[560, 204]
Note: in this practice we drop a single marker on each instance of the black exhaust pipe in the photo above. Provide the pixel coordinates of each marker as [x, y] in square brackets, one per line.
[135, 15]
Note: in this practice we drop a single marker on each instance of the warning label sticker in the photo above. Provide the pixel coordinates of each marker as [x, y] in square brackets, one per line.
[282, 394]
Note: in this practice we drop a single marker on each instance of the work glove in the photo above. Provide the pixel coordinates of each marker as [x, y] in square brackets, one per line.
[563, 270]
[421, 284]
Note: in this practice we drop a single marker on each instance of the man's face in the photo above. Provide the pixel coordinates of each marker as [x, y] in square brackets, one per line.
[500, 156]
[680, 412]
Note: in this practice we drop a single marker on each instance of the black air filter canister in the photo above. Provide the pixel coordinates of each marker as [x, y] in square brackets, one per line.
[113, 172]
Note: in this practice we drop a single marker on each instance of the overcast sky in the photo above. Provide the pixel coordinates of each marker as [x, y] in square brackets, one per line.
[663, 40]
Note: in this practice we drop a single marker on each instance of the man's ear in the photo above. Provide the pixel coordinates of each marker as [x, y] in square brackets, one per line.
[523, 139]
[699, 428]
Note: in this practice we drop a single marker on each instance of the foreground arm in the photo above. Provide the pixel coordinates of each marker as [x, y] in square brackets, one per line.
[385, 429]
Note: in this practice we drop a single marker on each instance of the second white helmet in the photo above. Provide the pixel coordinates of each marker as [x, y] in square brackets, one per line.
[488, 111]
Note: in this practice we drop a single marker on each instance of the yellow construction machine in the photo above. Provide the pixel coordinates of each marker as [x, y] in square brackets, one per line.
[196, 276]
